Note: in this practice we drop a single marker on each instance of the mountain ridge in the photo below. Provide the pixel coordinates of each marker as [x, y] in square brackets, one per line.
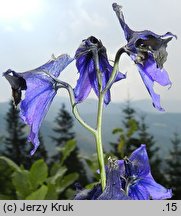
[161, 125]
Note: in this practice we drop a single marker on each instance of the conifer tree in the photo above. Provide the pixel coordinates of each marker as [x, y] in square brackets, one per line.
[146, 138]
[134, 133]
[64, 132]
[15, 141]
[173, 169]
[127, 141]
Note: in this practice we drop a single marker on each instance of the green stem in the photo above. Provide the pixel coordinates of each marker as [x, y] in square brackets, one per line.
[115, 68]
[98, 138]
[76, 112]
[72, 101]
[98, 135]
[98, 132]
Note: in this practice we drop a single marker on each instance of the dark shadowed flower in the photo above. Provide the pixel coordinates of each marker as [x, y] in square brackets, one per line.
[40, 89]
[137, 180]
[113, 190]
[87, 65]
[148, 51]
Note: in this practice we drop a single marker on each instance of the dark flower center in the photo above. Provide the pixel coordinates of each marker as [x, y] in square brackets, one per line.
[93, 40]
[151, 43]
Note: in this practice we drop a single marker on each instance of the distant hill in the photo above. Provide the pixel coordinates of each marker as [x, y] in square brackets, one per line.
[162, 125]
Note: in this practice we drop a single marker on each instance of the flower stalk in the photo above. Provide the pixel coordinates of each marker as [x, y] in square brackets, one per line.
[98, 138]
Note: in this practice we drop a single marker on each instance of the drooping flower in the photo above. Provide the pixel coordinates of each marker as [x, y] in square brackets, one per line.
[148, 51]
[40, 89]
[113, 189]
[86, 65]
[137, 180]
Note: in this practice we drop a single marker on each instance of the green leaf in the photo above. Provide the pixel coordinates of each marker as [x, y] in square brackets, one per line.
[38, 173]
[58, 175]
[117, 130]
[70, 194]
[91, 185]
[39, 194]
[67, 149]
[22, 184]
[10, 163]
[67, 181]
[52, 192]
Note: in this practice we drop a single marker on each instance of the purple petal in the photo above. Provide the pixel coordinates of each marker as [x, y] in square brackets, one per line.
[149, 85]
[156, 191]
[127, 31]
[138, 192]
[55, 66]
[34, 107]
[83, 86]
[153, 72]
[113, 190]
[93, 76]
[87, 69]
[140, 162]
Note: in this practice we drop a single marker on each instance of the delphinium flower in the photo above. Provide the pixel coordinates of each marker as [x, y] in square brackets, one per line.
[148, 51]
[113, 189]
[40, 89]
[128, 179]
[137, 180]
[91, 59]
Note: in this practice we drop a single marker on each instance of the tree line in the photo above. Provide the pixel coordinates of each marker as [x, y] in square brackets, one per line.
[68, 169]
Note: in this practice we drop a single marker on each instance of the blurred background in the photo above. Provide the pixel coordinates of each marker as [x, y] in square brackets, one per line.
[30, 32]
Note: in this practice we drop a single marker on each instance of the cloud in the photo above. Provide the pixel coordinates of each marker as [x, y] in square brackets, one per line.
[60, 26]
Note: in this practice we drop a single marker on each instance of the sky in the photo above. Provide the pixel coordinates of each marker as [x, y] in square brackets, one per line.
[32, 30]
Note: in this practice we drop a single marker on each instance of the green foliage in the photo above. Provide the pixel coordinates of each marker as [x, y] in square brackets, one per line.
[38, 173]
[10, 163]
[15, 141]
[66, 150]
[173, 170]
[39, 194]
[39, 182]
[92, 164]
[64, 139]
[133, 133]
[127, 141]
[67, 181]
[22, 184]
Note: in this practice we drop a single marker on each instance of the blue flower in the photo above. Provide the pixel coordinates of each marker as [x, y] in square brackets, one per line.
[86, 65]
[137, 180]
[113, 189]
[40, 89]
[148, 51]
